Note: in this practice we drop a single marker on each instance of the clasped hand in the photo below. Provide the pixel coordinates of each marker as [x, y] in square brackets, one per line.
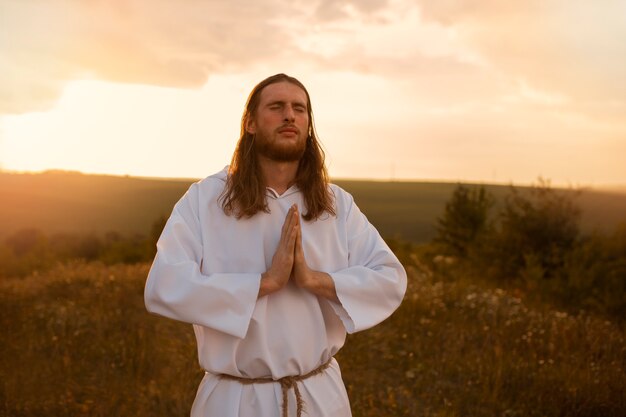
[289, 263]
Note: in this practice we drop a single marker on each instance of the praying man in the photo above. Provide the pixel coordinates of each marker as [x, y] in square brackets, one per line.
[273, 265]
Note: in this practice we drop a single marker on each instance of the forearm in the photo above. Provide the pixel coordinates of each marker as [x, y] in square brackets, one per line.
[321, 284]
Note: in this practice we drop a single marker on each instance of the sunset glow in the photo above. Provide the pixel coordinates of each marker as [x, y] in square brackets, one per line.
[425, 90]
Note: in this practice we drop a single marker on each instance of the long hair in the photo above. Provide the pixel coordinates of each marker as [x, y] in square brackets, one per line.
[244, 195]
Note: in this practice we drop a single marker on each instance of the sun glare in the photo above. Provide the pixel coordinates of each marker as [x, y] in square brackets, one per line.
[103, 127]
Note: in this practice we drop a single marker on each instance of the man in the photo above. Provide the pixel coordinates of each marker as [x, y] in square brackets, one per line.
[272, 265]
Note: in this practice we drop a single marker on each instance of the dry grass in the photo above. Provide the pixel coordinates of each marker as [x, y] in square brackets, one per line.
[456, 349]
[77, 341]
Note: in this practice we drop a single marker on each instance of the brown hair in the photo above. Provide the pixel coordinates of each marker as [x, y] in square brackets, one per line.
[244, 194]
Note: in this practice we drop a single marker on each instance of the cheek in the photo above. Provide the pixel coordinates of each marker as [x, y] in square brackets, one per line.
[270, 121]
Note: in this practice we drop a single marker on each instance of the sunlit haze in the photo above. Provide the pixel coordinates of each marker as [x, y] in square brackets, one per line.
[402, 89]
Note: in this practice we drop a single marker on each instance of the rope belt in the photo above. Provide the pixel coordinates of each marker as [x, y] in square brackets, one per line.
[286, 383]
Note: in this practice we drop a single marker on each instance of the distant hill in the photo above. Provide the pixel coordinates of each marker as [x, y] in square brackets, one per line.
[72, 202]
[58, 201]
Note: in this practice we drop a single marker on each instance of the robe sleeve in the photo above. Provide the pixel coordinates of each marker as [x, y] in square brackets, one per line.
[176, 287]
[373, 285]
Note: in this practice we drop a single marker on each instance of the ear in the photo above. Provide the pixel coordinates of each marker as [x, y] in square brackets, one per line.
[250, 125]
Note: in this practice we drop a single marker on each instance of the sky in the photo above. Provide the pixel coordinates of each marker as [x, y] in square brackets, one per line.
[465, 90]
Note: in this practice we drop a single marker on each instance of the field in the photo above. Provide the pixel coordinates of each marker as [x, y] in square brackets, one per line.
[77, 341]
[66, 202]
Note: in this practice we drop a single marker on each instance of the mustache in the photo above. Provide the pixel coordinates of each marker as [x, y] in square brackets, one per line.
[288, 126]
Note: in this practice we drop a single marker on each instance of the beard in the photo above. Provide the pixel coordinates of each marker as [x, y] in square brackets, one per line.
[279, 152]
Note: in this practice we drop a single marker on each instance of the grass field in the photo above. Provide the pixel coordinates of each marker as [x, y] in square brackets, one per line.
[77, 341]
[56, 202]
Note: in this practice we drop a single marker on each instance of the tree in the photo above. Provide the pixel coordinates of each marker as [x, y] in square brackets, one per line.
[538, 226]
[465, 219]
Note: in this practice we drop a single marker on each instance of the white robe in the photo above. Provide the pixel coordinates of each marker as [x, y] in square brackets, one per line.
[207, 272]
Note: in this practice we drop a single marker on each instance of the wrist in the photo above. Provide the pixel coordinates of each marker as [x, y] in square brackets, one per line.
[306, 279]
[268, 284]
[319, 283]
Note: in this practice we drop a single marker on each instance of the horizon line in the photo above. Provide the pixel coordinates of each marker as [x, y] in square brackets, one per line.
[605, 186]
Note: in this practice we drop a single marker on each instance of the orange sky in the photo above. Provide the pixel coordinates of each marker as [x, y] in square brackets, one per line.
[471, 90]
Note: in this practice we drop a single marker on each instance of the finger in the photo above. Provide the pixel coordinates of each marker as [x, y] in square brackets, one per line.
[294, 218]
[286, 241]
[286, 224]
[293, 236]
[294, 215]
[298, 244]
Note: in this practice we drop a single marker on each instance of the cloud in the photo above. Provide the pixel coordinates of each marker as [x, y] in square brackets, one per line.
[176, 44]
[446, 53]
[331, 10]
[558, 46]
[47, 43]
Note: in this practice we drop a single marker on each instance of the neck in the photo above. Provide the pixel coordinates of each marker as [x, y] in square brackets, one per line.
[278, 175]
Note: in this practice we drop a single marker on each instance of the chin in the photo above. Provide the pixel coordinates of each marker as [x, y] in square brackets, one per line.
[282, 153]
[287, 156]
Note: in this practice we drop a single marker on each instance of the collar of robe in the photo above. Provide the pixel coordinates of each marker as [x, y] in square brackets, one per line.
[270, 192]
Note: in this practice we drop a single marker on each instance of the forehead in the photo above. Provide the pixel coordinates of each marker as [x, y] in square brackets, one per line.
[283, 91]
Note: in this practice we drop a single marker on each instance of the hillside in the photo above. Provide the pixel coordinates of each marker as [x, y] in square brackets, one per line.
[72, 202]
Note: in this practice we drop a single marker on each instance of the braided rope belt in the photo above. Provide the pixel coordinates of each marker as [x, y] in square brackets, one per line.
[286, 383]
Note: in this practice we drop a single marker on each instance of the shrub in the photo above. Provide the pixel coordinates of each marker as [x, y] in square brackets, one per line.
[537, 229]
[465, 219]
[594, 274]
[533, 244]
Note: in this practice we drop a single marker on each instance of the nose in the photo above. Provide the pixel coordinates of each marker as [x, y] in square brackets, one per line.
[289, 115]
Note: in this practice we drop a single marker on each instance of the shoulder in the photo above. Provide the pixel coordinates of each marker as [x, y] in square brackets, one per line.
[211, 184]
[216, 180]
[343, 199]
[337, 191]
[350, 213]
[209, 187]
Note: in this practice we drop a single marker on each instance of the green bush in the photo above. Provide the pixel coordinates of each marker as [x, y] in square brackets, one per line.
[533, 244]
[465, 219]
[594, 274]
[536, 229]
